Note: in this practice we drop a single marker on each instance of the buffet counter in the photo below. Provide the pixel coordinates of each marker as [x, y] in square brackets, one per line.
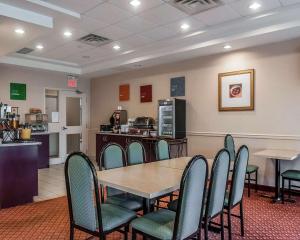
[18, 173]
[178, 146]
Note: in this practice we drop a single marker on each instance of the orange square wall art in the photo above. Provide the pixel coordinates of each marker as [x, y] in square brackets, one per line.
[124, 92]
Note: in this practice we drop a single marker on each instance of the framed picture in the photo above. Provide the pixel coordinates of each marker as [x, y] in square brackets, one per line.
[124, 92]
[17, 91]
[177, 87]
[236, 91]
[146, 93]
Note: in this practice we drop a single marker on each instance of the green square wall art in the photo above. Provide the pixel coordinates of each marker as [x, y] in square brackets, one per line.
[17, 91]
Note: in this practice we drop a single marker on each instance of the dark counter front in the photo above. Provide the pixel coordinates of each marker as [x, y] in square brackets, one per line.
[18, 174]
[44, 149]
[178, 146]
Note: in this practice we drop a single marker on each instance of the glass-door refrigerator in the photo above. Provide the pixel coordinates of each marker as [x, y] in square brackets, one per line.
[172, 118]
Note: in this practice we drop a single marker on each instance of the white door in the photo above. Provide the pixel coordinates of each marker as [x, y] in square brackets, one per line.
[69, 125]
[72, 111]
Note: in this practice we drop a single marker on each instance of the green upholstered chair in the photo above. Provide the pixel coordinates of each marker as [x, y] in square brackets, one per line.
[217, 190]
[136, 153]
[186, 221]
[113, 156]
[290, 175]
[251, 169]
[162, 150]
[235, 195]
[85, 209]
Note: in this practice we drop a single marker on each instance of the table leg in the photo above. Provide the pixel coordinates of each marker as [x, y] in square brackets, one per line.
[147, 206]
[277, 197]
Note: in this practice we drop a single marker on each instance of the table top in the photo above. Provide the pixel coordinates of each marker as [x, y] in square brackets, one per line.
[280, 154]
[149, 180]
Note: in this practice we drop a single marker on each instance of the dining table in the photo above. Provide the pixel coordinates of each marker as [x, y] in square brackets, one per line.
[278, 155]
[149, 180]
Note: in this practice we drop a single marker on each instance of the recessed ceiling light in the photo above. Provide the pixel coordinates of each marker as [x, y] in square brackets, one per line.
[255, 6]
[185, 26]
[19, 31]
[227, 46]
[116, 47]
[135, 3]
[39, 46]
[67, 34]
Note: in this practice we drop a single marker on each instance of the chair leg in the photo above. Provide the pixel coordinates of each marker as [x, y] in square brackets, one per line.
[126, 232]
[290, 189]
[248, 184]
[222, 226]
[206, 230]
[71, 233]
[282, 191]
[229, 224]
[256, 180]
[199, 234]
[242, 218]
[133, 237]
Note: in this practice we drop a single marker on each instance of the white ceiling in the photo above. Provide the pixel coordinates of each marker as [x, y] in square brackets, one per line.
[149, 34]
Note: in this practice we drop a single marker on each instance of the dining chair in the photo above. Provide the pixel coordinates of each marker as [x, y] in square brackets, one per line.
[162, 150]
[235, 195]
[136, 153]
[86, 212]
[290, 175]
[185, 222]
[113, 156]
[251, 169]
[217, 191]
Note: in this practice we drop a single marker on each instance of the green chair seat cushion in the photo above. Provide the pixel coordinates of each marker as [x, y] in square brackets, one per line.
[115, 216]
[173, 205]
[292, 174]
[126, 200]
[157, 224]
[251, 168]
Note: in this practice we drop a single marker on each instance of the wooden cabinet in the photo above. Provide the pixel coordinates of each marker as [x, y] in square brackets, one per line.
[43, 149]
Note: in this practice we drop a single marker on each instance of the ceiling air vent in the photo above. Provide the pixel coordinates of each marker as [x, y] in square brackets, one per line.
[192, 7]
[94, 40]
[25, 50]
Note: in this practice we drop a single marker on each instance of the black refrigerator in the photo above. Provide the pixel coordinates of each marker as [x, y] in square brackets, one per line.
[172, 118]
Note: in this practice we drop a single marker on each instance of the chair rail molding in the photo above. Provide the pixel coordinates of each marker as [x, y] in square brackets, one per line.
[246, 135]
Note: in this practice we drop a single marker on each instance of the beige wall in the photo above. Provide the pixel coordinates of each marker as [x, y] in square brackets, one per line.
[273, 124]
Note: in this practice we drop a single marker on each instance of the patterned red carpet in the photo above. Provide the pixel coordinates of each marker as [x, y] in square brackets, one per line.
[49, 220]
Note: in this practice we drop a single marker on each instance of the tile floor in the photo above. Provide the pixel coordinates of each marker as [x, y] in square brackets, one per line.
[51, 183]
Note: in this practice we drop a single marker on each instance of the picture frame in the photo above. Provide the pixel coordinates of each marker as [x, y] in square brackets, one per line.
[124, 92]
[236, 90]
[177, 87]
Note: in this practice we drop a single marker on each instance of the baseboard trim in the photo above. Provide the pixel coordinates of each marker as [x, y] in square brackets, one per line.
[246, 135]
[270, 189]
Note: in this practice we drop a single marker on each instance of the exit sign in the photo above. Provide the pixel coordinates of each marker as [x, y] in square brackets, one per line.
[72, 82]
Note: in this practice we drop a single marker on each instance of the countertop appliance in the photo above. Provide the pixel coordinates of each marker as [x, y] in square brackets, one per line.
[37, 121]
[172, 118]
[144, 123]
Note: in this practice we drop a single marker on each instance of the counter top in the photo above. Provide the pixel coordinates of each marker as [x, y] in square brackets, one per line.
[39, 133]
[122, 134]
[20, 144]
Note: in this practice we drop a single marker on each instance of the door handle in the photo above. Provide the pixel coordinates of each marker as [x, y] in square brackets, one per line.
[64, 128]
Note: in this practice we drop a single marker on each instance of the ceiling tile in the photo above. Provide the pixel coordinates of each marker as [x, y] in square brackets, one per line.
[289, 2]
[137, 41]
[108, 13]
[136, 24]
[217, 15]
[76, 5]
[145, 5]
[159, 33]
[242, 7]
[113, 32]
[194, 24]
[163, 14]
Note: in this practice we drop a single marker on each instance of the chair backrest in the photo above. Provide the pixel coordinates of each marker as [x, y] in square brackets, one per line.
[238, 176]
[229, 145]
[112, 156]
[82, 192]
[162, 150]
[217, 184]
[135, 153]
[191, 198]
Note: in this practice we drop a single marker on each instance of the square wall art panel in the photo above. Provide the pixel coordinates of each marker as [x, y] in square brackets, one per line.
[124, 92]
[177, 87]
[146, 93]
